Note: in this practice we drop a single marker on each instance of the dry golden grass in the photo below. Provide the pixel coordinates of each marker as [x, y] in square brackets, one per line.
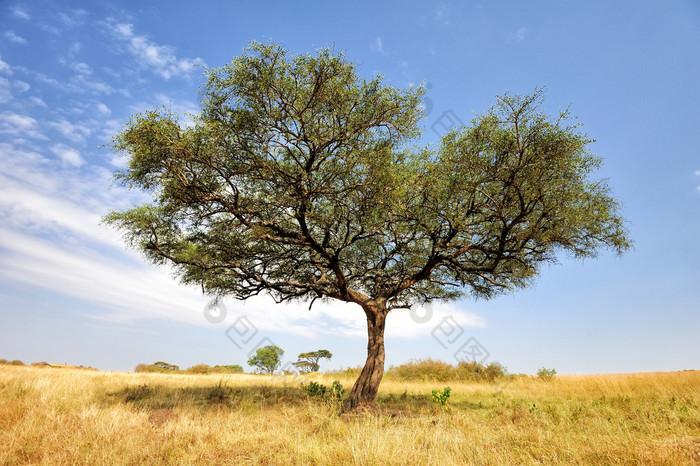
[66, 416]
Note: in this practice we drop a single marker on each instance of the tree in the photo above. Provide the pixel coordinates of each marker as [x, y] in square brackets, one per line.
[298, 179]
[267, 359]
[308, 362]
[166, 366]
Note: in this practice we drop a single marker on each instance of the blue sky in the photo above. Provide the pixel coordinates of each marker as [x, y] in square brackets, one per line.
[71, 73]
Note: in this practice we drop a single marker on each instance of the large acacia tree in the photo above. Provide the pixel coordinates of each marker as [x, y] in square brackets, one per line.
[298, 179]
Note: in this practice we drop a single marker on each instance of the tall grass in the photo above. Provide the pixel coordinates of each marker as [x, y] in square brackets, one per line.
[66, 416]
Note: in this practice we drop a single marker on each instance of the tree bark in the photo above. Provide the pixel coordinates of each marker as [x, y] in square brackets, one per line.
[364, 392]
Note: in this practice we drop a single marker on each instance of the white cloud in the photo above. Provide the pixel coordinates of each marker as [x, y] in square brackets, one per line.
[5, 91]
[82, 68]
[103, 110]
[14, 38]
[377, 46]
[5, 68]
[73, 18]
[20, 12]
[67, 154]
[442, 14]
[75, 132]
[520, 34]
[697, 173]
[160, 58]
[517, 36]
[21, 86]
[38, 101]
[15, 124]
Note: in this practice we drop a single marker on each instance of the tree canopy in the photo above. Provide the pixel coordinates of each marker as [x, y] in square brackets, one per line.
[267, 359]
[298, 179]
[308, 362]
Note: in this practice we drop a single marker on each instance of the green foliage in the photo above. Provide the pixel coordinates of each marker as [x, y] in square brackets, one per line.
[442, 397]
[308, 362]
[200, 369]
[439, 371]
[332, 395]
[546, 374]
[228, 369]
[166, 366]
[267, 359]
[220, 394]
[315, 389]
[158, 367]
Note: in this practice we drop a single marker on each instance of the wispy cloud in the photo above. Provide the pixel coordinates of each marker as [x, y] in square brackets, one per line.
[14, 38]
[377, 46]
[76, 132]
[442, 14]
[5, 68]
[73, 18]
[68, 155]
[16, 124]
[162, 59]
[517, 36]
[20, 12]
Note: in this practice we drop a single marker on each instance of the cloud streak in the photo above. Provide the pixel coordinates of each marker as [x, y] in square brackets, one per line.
[159, 58]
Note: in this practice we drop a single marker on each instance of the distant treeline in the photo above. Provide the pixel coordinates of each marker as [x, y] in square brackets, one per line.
[17, 362]
[431, 370]
[164, 367]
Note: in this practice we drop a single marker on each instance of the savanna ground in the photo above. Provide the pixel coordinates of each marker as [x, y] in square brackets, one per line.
[70, 416]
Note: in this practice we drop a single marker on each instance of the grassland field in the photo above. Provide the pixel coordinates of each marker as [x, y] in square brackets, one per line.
[71, 416]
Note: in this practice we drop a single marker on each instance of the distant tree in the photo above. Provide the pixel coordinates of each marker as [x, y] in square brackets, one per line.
[200, 369]
[308, 362]
[300, 178]
[230, 368]
[166, 366]
[267, 359]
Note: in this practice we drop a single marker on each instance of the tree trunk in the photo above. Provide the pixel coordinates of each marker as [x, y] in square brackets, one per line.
[365, 389]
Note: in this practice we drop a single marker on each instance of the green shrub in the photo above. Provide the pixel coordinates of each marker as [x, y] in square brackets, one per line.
[442, 397]
[422, 369]
[228, 369]
[332, 395]
[200, 369]
[431, 370]
[546, 374]
[166, 366]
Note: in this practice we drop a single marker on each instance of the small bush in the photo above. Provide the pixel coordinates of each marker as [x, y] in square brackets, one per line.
[332, 395]
[220, 394]
[16, 362]
[442, 397]
[546, 374]
[136, 393]
[166, 366]
[228, 369]
[200, 369]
